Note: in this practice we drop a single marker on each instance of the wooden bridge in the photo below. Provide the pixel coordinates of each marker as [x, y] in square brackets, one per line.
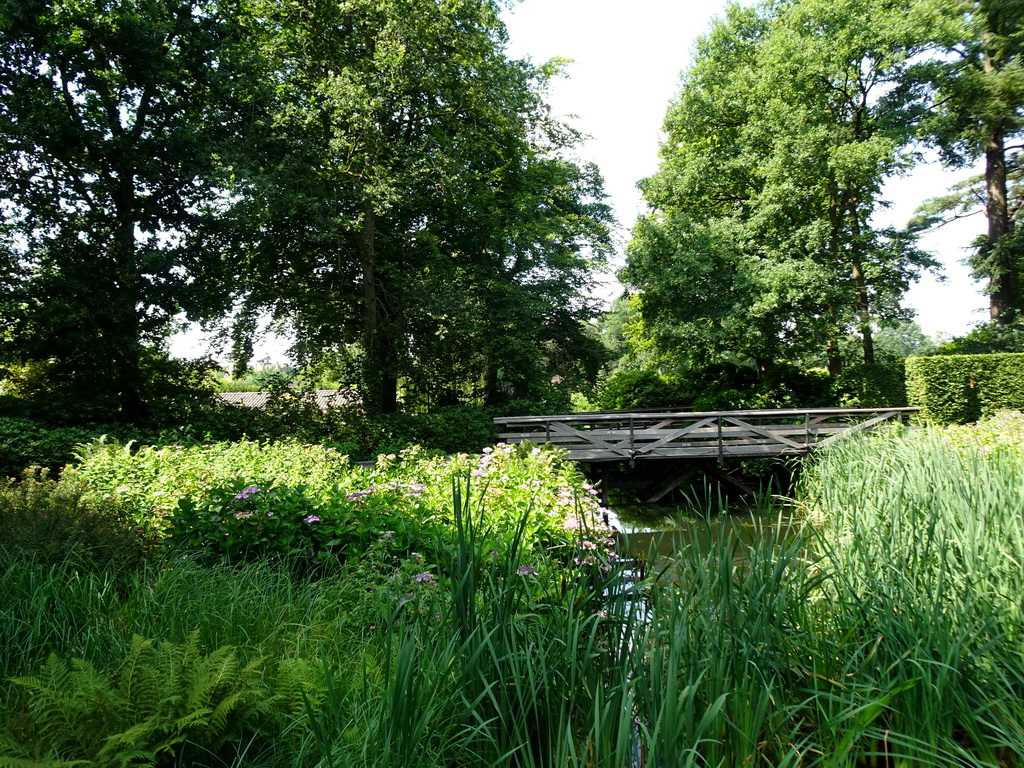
[700, 441]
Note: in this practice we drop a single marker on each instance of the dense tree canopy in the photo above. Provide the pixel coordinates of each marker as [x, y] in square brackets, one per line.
[416, 207]
[381, 178]
[110, 118]
[979, 113]
[375, 173]
[759, 244]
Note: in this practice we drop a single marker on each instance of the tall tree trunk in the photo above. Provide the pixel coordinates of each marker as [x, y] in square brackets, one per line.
[1002, 280]
[834, 358]
[860, 286]
[490, 380]
[379, 380]
[126, 339]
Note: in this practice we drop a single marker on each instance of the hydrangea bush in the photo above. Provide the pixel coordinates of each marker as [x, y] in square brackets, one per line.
[238, 502]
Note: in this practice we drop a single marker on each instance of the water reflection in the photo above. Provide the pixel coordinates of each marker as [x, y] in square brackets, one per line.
[648, 532]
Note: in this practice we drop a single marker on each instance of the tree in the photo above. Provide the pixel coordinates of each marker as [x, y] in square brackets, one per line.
[979, 108]
[412, 196]
[110, 115]
[760, 243]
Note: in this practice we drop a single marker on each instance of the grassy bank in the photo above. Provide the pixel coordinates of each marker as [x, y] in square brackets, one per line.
[884, 631]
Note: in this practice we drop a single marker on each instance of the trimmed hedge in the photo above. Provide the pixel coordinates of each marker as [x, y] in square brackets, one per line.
[956, 389]
[879, 385]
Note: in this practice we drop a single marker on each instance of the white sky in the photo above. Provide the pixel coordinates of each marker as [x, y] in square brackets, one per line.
[627, 58]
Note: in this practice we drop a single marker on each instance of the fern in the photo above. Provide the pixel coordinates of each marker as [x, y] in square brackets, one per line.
[165, 697]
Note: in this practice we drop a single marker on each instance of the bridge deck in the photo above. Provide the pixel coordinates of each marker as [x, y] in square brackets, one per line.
[627, 436]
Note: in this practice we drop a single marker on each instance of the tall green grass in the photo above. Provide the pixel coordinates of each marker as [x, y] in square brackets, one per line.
[885, 630]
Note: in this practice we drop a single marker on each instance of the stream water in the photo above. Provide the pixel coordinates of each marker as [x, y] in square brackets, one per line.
[652, 531]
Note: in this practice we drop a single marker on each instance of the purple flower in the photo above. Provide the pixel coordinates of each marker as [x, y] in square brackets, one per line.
[525, 570]
[425, 578]
[245, 493]
[312, 519]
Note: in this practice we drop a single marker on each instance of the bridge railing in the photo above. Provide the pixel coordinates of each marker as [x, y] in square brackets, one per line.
[619, 435]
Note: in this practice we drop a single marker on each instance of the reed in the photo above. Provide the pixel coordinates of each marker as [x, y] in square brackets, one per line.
[883, 630]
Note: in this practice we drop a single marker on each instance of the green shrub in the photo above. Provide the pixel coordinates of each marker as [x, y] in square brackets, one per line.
[25, 442]
[244, 522]
[635, 389]
[955, 389]
[154, 478]
[727, 386]
[451, 429]
[880, 385]
[50, 522]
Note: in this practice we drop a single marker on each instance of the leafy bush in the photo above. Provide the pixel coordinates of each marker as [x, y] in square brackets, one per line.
[1002, 432]
[153, 478]
[879, 385]
[408, 495]
[452, 429]
[955, 389]
[50, 522]
[726, 386]
[636, 389]
[245, 522]
[24, 443]
[988, 338]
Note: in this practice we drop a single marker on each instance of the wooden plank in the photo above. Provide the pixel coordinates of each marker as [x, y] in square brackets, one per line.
[768, 413]
[665, 488]
[767, 433]
[605, 437]
[585, 437]
[709, 451]
[860, 427]
[734, 481]
[676, 434]
[644, 445]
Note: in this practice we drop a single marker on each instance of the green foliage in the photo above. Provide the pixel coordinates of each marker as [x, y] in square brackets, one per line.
[201, 489]
[154, 478]
[885, 625]
[871, 386]
[636, 389]
[24, 443]
[453, 429]
[953, 389]
[978, 84]
[167, 704]
[94, 184]
[758, 244]
[412, 206]
[244, 522]
[1003, 336]
[1001, 431]
[715, 387]
[52, 522]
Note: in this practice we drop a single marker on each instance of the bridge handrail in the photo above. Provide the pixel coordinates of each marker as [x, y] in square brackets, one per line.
[614, 416]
